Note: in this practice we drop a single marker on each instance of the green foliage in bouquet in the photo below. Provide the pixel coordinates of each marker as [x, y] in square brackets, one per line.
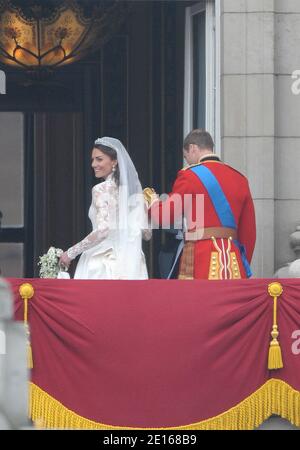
[49, 263]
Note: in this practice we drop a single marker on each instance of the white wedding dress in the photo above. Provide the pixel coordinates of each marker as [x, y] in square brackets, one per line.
[99, 250]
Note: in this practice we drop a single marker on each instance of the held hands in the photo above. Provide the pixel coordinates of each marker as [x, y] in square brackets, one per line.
[150, 196]
[65, 261]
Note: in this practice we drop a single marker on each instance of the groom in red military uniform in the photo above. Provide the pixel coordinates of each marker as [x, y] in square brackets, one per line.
[219, 244]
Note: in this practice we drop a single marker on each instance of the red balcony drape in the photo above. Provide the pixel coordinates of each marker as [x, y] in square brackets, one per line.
[160, 354]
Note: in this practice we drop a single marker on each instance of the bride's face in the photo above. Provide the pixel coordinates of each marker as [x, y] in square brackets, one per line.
[102, 163]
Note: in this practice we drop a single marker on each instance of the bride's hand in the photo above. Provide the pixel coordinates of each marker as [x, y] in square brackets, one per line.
[64, 260]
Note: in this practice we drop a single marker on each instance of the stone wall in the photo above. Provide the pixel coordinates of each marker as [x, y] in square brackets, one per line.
[287, 125]
[260, 115]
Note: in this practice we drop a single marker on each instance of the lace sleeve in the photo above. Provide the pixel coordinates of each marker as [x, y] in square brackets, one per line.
[103, 200]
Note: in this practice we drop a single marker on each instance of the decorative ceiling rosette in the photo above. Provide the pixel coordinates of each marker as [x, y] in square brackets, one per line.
[37, 35]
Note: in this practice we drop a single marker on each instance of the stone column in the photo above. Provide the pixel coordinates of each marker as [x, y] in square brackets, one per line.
[287, 114]
[248, 129]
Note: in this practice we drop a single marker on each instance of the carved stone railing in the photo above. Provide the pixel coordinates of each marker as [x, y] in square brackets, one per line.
[292, 269]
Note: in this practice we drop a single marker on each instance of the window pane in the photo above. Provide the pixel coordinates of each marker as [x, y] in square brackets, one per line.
[11, 260]
[11, 169]
[199, 70]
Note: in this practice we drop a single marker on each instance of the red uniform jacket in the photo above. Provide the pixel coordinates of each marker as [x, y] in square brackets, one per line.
[220, 258]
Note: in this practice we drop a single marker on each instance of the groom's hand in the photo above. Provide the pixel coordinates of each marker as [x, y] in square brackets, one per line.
[64, 260]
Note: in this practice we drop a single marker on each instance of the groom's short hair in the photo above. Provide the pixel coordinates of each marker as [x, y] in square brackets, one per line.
[199, 137]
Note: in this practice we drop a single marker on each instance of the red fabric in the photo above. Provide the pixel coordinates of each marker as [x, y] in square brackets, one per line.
[157, 353]
[236, 189]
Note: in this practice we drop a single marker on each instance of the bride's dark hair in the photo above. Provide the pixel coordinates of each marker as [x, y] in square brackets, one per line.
[113, 156]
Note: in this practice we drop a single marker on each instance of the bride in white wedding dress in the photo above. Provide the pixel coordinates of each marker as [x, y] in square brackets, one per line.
[113, 250]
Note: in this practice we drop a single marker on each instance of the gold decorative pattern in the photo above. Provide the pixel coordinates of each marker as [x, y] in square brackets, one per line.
[219, 253]
[40, 35]
[214, 267]
[234, 267]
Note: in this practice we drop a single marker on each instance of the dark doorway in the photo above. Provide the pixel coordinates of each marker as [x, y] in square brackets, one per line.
[132, 90]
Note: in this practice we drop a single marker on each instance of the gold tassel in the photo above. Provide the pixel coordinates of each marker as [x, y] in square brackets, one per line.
[26, 291]
[29, 351]
[275, 358]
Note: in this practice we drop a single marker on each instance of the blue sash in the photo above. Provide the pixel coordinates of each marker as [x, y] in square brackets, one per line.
[221, 205]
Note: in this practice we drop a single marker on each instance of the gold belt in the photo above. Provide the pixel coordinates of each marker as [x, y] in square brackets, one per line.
[207, 233]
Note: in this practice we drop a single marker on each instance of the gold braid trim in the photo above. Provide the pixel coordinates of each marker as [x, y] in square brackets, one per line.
[274, 397]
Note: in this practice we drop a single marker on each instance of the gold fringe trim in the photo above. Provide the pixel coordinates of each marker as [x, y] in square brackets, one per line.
[274, 397]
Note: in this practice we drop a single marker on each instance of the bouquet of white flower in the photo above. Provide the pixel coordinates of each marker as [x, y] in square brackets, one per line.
[49, 263]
